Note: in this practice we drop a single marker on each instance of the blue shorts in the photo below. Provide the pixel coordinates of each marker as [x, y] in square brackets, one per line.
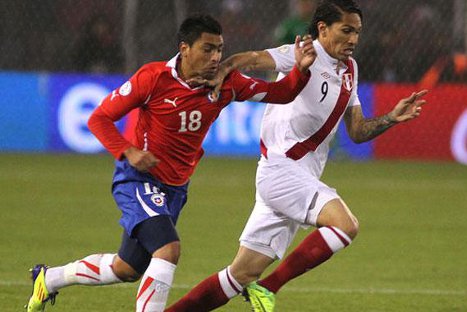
[140, 196]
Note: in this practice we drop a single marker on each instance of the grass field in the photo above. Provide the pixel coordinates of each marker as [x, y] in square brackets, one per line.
[410, 255]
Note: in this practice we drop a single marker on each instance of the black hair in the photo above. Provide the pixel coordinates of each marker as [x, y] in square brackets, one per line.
[330, 11]
[193, 26]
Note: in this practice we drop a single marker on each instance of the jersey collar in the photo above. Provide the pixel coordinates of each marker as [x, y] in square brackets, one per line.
[328, 59]
[172, 64]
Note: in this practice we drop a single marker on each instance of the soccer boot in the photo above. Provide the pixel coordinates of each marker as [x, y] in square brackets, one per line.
[40, 294]
[261, 299]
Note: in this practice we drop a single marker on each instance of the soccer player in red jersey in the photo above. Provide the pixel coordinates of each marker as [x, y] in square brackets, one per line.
[153, 169]
[295, 142]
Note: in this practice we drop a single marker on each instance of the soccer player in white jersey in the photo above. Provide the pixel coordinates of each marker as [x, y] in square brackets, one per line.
[294, 146]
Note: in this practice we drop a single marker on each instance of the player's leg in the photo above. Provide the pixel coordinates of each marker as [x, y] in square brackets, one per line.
[254, 256]
[93, 270]
[149, 212]
[216, 290]
[160, 239]
[337, 228]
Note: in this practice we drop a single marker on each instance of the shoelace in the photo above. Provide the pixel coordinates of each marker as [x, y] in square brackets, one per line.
[52, 298]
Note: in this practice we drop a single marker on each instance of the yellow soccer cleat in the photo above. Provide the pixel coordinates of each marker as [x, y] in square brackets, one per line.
[40, 294]
[261, 299]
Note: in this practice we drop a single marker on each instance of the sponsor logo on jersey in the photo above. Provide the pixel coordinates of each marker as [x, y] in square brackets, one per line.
[158, 200]
[171, 101]
[348, 82]
[325, 75]
[125, 89]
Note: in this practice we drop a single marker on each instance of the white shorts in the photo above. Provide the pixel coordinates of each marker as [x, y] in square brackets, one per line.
[287, 197]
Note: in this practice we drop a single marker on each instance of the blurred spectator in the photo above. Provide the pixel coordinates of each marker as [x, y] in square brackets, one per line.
[449, 68]
[401, 45]
[382, 64]
[296, 24]
[424, 42]
[97, 51]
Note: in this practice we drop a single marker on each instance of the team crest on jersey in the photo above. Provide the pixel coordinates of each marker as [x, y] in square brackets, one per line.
[348, 82]
[158, 200]
[125, 89]
[212, 97]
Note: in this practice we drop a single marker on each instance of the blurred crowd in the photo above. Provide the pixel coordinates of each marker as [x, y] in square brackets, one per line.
[402, 41]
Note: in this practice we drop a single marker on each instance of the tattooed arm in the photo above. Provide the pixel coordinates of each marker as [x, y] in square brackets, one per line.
[363, 129]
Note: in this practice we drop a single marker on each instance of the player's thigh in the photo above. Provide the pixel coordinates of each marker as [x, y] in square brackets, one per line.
[150, 237]
[132, 259]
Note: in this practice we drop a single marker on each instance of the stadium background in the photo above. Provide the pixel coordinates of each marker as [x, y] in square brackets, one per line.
[53, 72]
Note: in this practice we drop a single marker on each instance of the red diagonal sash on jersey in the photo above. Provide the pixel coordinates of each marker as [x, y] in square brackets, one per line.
[300, 149]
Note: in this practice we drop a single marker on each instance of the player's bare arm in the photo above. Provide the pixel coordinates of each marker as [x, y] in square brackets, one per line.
[305, 55]
[141, 160]
[363, 129]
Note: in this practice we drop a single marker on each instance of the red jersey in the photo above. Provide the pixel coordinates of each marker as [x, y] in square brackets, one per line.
[173, 118]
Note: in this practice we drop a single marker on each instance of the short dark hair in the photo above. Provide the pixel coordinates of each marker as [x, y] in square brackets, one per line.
[193, 26]
[330, 11]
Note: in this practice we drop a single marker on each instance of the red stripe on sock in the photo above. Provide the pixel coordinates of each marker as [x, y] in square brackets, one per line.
[146, 284]
[92, 267]
[343, 240]
[149, 298]
[229, 278]
[87, 276]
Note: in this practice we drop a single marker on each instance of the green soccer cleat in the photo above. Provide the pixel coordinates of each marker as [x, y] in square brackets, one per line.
[261, 299]
[40, 294]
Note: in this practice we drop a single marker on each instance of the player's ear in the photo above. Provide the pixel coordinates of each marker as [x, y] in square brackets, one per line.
[322, 29]
[183, 48]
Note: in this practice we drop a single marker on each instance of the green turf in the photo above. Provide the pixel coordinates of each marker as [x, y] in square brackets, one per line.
[410, 254]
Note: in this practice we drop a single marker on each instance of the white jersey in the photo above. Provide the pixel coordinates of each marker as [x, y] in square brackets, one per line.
[303, 129]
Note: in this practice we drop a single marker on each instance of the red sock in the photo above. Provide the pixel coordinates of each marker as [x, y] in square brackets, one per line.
[311, 252]
[206, 296]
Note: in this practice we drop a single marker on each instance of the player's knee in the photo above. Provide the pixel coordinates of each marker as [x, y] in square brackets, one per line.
[351, 227]
[124, 271]
[170, 252]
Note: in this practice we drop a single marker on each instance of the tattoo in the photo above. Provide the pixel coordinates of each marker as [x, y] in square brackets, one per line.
[373, 127]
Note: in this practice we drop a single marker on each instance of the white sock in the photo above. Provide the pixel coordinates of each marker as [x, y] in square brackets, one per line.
[229, 285]
[335, 238]
[92, 270]
[155, 286]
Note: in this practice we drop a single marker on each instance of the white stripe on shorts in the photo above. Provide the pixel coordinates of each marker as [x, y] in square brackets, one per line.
[146, 208]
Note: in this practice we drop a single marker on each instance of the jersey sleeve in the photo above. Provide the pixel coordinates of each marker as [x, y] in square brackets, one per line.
[278, 92]
[284, 57]
[132, 94]
[354, 99]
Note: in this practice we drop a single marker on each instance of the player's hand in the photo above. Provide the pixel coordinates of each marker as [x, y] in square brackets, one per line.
[215, 84]
[408, 108]
[141, 160]
[305, 53]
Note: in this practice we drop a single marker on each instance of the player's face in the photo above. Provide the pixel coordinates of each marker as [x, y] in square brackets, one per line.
[204, 55]
[340, 38]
